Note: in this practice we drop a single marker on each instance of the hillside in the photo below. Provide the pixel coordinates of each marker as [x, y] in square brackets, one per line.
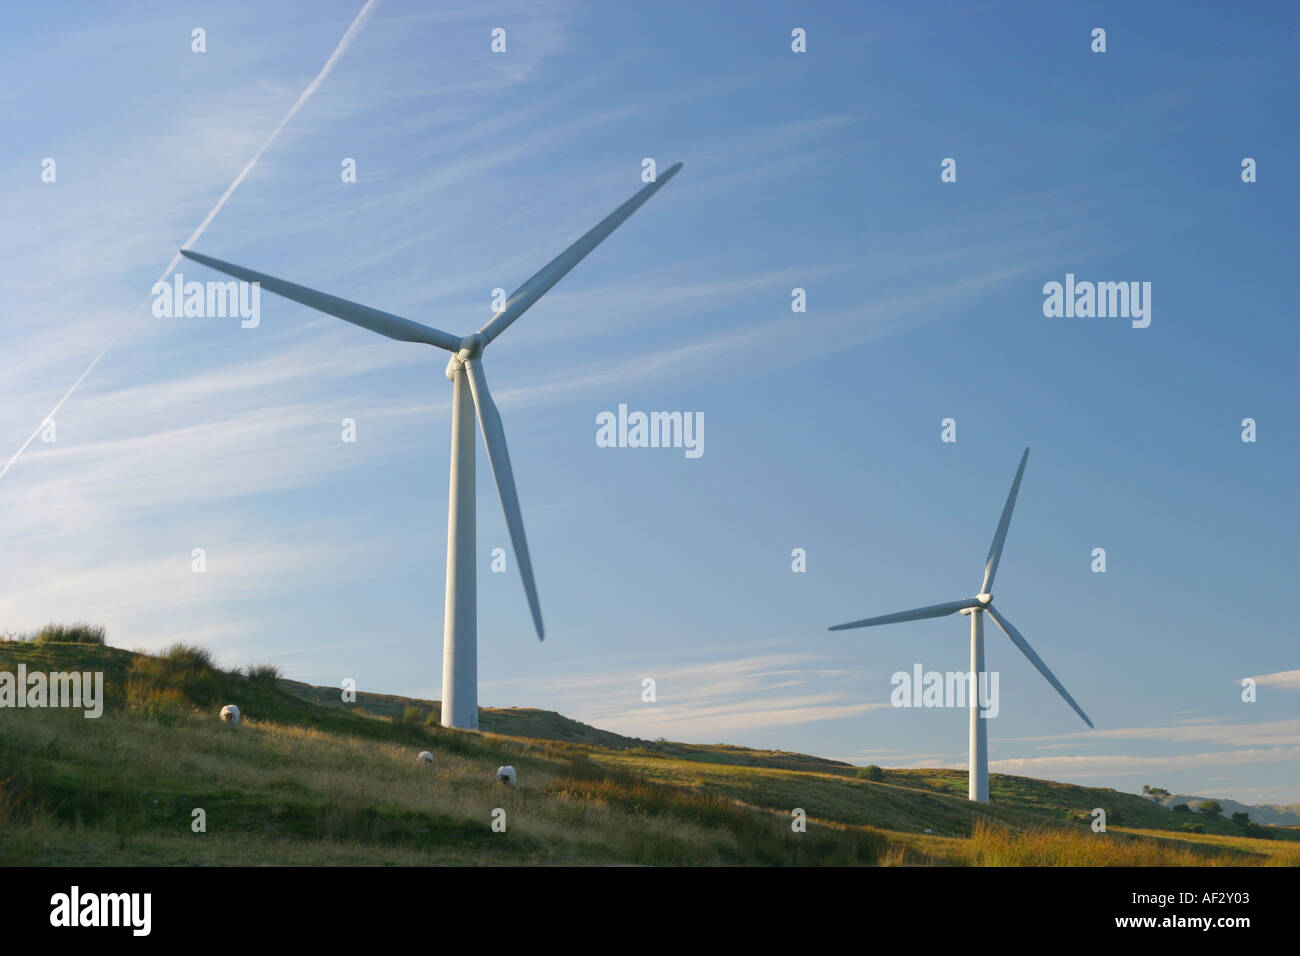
[307, 779]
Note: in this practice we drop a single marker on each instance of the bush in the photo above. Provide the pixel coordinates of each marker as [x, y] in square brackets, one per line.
[181, 673]
[70, 634]
[188, 657]
[264, 675]
[1194, 827]
[413, 716]
[871, 772]
[1211, 808]
[1182, 808]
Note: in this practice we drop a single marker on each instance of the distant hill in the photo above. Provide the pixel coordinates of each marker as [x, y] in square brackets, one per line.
[1266, 814]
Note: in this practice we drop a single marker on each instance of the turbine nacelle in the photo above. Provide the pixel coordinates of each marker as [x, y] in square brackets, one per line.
[471, 348]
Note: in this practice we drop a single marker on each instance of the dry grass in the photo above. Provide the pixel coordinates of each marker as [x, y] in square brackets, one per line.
[994, 845]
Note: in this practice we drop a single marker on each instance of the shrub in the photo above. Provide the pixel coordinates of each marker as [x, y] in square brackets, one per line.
[413, 716]
[1194, 827]
[70, 634]
[1182, 808]
[1211, 808]
[264, 675]
[871, 772]
[187, 656]
[187, 672]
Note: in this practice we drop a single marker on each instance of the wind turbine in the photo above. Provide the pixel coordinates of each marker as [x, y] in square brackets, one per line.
[975, 608]
[469, 394]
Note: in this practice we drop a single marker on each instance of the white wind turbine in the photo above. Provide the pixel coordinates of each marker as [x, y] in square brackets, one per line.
[975, 607]
[469, 393]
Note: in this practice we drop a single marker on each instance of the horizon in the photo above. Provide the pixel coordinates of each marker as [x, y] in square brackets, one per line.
[819, 430]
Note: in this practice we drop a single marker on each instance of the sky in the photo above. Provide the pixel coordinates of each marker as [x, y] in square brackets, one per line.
[816, 170]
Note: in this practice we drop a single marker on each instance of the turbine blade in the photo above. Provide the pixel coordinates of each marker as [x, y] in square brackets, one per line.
[934, 610]
[1018, 639]
[1000, 536]
[522, 298]
[393, 326]
[494, 439]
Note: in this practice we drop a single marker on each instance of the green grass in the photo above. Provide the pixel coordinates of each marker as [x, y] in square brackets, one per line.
[309, 779]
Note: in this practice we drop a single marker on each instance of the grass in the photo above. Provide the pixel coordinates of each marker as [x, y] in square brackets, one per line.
[63, 634]
[264, 675]
[996, 845]
[308, 779]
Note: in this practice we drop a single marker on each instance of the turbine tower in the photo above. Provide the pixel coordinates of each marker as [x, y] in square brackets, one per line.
[975, 608]
[469, 395]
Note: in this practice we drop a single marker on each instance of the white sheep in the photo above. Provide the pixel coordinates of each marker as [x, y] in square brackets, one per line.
[425, 757]
[230, 714]
[507, 776]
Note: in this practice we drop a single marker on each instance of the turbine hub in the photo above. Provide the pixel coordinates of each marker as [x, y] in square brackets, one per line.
[471, 346]
[985, 598]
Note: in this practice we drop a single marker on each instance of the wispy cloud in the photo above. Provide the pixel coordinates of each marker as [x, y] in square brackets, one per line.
[1096, 765]
[1257, 734]
[1287, 680]
[707, 701]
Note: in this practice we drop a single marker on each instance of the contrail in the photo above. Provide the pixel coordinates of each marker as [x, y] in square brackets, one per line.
[305, 95]
[55, 410]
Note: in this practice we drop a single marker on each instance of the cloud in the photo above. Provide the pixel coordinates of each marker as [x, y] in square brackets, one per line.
[1287, 680]
[1098, 765]
[1263, 733]
[704, 702]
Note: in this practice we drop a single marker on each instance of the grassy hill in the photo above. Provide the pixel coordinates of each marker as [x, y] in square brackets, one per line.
[307, 779]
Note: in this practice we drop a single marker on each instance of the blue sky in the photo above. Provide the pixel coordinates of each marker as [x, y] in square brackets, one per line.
[822, 429]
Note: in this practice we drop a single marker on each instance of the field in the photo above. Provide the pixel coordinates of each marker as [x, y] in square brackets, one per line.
[306, 779]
